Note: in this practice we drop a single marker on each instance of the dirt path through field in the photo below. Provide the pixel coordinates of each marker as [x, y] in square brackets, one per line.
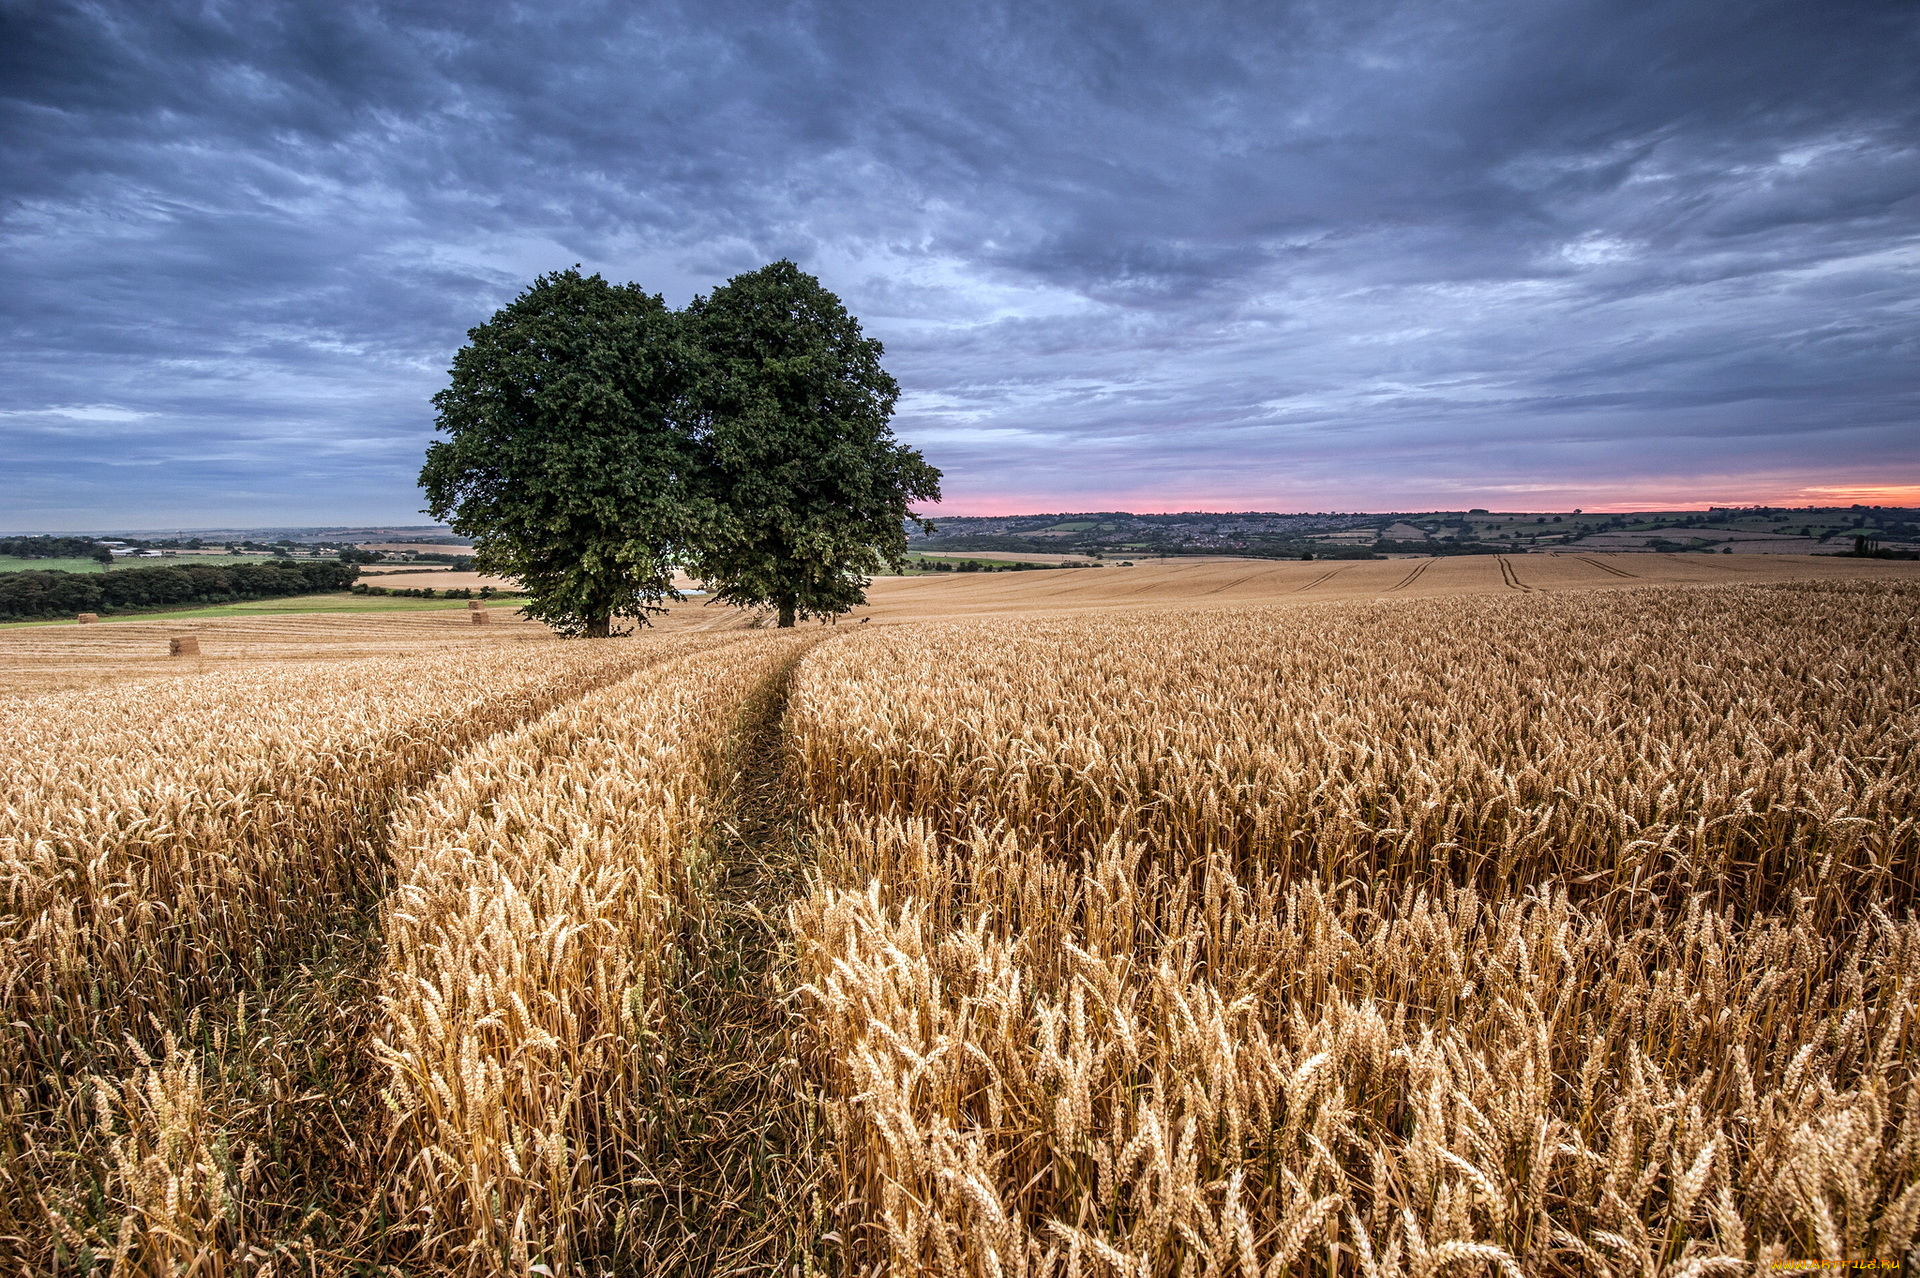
[739, 1173]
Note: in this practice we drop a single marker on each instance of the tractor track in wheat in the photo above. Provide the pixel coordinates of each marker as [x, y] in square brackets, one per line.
[1411, 577]
[1322, 579]
[1508, 575]
[277, 1062]
[731, 1196]
[1606, 567]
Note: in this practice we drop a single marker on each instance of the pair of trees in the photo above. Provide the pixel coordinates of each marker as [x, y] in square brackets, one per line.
[598, 440]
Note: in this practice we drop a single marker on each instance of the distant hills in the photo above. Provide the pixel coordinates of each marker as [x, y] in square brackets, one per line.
[1273, 534]
[1268, 534]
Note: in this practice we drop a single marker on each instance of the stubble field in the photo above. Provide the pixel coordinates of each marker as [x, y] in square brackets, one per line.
[1213, 925]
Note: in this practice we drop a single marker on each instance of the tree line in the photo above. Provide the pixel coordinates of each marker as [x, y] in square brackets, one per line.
[35, 594]
[598, 441]
[48, 547]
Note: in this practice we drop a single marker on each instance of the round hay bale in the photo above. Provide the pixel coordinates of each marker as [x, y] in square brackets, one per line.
[87, 618]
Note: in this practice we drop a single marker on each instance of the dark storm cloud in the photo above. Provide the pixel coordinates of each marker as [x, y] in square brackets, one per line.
[1276, 255]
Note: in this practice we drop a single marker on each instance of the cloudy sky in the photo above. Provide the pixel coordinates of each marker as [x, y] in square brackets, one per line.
[1130, 255]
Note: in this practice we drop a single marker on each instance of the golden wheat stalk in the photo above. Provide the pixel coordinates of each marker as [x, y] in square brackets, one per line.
[550, 897]
[1554, 934]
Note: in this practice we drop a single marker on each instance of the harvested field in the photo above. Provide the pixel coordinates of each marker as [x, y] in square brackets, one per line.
[411, 578]
[44, 658]
[1008, 556]
[1208, 583]
[62, 656]
[416, 547]
[1515, 914]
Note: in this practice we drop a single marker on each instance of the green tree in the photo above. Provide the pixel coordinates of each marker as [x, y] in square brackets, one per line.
[565, 459]
[793, 418]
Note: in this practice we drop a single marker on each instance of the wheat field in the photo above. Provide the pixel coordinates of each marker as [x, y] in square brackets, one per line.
[1549, 936]
[1545, 930]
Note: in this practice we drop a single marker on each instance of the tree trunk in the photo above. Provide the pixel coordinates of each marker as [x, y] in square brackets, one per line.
[599, 627]
[786, 612]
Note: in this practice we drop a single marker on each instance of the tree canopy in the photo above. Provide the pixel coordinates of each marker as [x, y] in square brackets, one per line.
[600, 440]
[597, 440]
[567, 458]
[812, 488]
